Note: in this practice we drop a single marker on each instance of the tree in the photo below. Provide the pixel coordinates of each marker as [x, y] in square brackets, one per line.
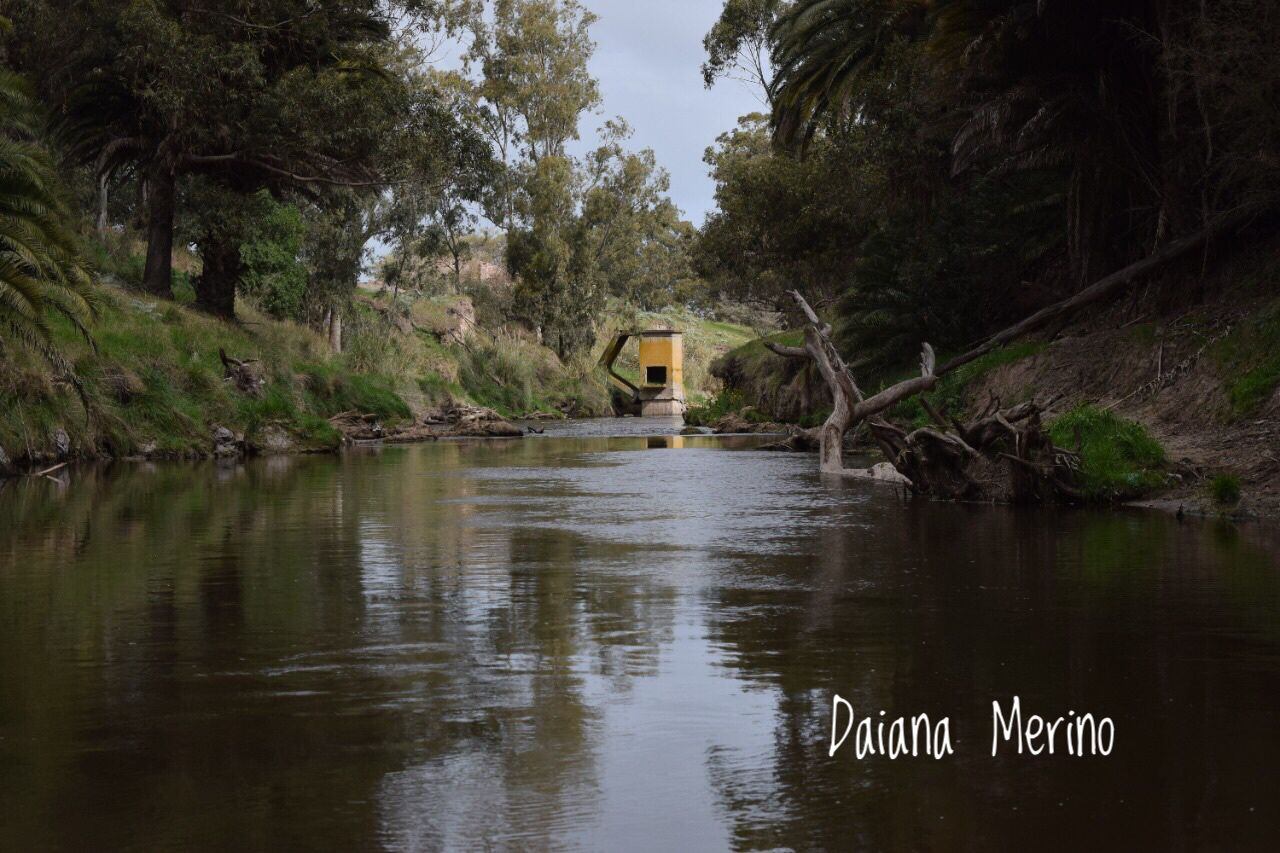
[632, 230]
[865, 215]
[559, 291]
[1040, 84]
[739, 43]
[534, 85]
[781, 221]
[42, 270]
[439, 213]
[273, 273]
[281, 95]
[592, 229]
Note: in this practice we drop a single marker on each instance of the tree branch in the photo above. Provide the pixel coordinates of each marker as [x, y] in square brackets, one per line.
[785, 351]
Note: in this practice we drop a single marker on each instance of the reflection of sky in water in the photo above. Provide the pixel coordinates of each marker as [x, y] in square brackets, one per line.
[692, 498]
[582, 642]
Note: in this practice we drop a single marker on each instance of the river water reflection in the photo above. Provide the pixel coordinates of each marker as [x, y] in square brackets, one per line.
[611, 643]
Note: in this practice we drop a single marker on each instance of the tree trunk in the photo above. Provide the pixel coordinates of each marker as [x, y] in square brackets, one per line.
[157, 279]
[1005, 456]
[216, 284]
[1103, 288]
[335, 330]
[102, 202]
[851, 406]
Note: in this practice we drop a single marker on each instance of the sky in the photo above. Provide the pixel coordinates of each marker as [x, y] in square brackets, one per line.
[649, 63]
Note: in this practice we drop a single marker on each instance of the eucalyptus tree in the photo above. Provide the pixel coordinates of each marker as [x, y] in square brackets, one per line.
[600, 227]
[530, 85]
[739, 43]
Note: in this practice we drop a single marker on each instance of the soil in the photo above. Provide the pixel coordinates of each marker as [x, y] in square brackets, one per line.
[1163, 369]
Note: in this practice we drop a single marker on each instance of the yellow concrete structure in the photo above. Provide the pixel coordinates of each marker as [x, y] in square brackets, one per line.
[661, 390]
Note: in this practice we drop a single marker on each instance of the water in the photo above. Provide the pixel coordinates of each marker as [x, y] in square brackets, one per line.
[611, 643]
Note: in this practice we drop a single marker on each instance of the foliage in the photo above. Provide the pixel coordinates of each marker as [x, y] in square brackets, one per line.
[738, 43]
[780, 221]
[727, 401]
[870, 221]
[295, 98]
[535, 79]
[43, 271]
[1225, 490]
[155, 378]
[272, 272]
[516, 379]
[1119, 459]
[931, 160]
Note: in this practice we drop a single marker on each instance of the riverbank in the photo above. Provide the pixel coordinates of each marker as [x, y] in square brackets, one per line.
[1199, 375]
[154, 383]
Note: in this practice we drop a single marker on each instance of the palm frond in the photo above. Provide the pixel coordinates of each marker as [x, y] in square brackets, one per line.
[42, 268]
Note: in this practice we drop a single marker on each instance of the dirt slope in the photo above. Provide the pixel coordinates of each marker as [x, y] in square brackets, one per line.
[1197, 375]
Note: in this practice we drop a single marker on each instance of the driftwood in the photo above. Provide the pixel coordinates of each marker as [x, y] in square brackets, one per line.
[247, 376]
[1004, 455]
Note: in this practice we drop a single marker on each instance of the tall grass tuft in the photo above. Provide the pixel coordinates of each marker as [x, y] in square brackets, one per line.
[1119, 458]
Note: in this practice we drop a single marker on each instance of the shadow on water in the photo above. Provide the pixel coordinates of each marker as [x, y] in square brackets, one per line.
[595, 642]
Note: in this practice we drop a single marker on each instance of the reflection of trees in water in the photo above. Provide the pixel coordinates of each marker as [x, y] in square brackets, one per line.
[400, 647]
[941, 609]
[210, 646]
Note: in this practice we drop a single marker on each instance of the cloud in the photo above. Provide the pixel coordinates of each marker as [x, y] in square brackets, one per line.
[648, 60]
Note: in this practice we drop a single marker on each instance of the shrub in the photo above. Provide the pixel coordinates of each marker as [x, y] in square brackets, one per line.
[1225, 490]
[726, 402]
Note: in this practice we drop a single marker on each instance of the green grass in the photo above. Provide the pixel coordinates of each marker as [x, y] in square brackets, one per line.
[1250, 359]
[950, 393]
[1225, 490]
[332, 390]
[1119, 458]
[726, 402]
[155, 380]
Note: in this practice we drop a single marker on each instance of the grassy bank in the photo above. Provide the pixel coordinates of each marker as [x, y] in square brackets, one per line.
[152, 381]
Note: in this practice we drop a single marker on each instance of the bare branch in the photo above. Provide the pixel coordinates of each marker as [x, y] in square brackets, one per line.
[785, 351]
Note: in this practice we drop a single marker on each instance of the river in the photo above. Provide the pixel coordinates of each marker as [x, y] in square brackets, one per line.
[589, 642]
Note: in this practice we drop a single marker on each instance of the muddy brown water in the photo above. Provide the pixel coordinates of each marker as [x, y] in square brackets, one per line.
[583, 642]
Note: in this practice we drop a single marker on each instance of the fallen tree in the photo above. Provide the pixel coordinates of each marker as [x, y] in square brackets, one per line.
[1004, 455]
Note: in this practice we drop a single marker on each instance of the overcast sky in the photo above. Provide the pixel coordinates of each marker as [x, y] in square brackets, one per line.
[648, 60]
[649, 63]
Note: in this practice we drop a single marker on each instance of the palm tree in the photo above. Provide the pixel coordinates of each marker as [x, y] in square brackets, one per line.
[1070, 85]
[42, 271]
[823, 48]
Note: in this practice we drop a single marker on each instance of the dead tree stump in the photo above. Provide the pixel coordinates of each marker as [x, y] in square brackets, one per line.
[248, 376]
